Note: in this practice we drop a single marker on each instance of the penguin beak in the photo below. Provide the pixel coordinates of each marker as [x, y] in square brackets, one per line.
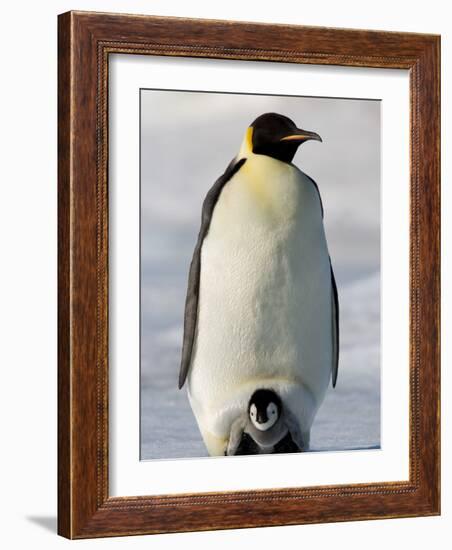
[301, 136]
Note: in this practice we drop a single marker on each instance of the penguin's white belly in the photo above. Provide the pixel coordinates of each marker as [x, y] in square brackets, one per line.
[264, 317]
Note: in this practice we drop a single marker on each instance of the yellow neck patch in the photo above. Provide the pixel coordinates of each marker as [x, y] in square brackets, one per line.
[247, 144]
[249, 138]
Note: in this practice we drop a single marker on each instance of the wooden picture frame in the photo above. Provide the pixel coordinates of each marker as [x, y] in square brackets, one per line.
[85, 42]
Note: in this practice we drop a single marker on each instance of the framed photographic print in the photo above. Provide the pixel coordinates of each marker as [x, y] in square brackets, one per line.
[248, 275]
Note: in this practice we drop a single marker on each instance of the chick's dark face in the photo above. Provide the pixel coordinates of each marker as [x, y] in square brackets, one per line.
[264, 409]
[277, 136]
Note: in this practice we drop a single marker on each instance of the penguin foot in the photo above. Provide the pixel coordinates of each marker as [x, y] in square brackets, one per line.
[247, 446]
[286, 445]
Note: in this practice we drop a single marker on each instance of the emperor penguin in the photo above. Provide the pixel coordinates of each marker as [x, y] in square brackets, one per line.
[261, 310]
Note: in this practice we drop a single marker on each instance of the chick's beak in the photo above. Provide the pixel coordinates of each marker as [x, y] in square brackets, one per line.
[301, 136]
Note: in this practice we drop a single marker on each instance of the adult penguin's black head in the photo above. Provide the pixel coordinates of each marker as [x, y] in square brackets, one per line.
[277, 136]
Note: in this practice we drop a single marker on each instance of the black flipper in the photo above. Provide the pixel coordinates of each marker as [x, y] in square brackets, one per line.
[335, 306]
[335, 327]
[191, 302]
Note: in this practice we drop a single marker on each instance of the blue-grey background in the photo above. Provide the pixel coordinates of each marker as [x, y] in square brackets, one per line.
[187, 140]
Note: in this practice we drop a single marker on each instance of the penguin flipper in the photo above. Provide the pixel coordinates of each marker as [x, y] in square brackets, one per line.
[191, 302]
[335, 327]
[335, 304]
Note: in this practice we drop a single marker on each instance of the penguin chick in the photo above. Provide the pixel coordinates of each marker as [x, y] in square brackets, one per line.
[268, 424]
